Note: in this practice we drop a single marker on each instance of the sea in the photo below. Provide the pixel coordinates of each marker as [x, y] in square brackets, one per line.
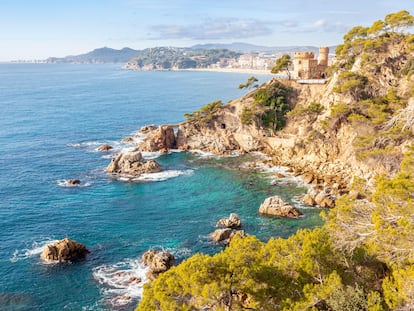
[53, 119]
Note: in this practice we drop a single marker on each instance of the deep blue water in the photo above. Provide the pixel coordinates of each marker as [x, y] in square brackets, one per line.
[53, 117]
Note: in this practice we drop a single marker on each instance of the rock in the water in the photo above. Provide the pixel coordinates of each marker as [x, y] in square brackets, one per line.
[128, 140]
[132, 163]
[162, 139]
[105, 147]
[233, 221]
[64, 250]
[73, 182]
[157, 262]
[221, 235]
[276, 206]
[224, 236]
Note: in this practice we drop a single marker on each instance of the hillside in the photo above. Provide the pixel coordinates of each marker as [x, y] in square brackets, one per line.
[165, 58]
[97, 56]
[354, 136]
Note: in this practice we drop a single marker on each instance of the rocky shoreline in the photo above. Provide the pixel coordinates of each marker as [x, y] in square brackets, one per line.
[323, 157]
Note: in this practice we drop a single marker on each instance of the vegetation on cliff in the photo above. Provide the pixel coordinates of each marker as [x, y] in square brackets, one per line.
[362, 258]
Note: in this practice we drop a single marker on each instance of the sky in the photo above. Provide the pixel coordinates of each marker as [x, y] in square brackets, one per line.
[37, 29]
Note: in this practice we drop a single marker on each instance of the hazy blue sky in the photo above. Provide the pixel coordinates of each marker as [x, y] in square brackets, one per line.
[36, 29]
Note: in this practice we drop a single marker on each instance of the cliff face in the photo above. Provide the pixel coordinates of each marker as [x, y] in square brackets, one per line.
[223, 133]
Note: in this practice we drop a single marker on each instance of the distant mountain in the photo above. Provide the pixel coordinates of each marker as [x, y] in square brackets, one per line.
[97, 56]
[249, 48]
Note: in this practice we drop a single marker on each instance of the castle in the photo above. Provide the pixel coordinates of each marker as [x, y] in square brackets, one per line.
[307, 67]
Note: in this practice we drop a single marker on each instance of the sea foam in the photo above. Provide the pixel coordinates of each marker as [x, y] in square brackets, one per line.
[121, 283]
[34, 250]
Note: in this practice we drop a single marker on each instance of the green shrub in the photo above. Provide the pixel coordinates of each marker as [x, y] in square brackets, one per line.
[339, 109]
[205, 113]
[247, 116]
[273, 99]
[352, 83]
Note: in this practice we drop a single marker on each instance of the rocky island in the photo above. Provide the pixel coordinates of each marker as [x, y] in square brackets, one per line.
[352, 139]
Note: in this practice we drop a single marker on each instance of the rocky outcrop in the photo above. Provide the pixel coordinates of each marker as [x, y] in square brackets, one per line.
[224, 236]
[131, 163]
[148, 128]
[233, 221]
[323, 198]
[157, 262]
[105, 147]
[276, 206]
[64, 250]
[160, 139]
[222, 133]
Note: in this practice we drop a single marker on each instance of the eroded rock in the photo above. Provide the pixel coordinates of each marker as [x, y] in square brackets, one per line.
[132, 163]
[233, 221]
[158, 262]
[276, 206]
[64, 250]
[160, 139]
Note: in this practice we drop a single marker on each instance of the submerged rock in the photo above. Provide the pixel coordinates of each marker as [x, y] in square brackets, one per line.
[233, 221]
[157, 262]
[276, 206]
[64, 250]
[132, 163]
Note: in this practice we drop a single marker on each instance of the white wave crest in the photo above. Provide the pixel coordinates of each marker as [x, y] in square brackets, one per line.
[121, 283]
[162, 176]
[34, 250]
[203, 154]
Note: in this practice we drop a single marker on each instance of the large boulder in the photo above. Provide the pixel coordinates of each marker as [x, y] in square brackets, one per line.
[158, 262]
[163, 138]
[132, 163]
[64, 250]
[233, 221]
[276, 206]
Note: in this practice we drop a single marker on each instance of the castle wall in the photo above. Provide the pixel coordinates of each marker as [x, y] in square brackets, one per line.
[307, 67]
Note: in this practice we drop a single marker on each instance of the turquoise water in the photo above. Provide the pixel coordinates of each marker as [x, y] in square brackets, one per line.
[53, 119]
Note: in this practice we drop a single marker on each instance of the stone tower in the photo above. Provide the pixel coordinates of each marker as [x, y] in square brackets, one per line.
[323, 56]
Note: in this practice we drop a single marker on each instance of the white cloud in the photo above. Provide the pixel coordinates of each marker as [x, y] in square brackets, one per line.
[320, 23]
[214, 29]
